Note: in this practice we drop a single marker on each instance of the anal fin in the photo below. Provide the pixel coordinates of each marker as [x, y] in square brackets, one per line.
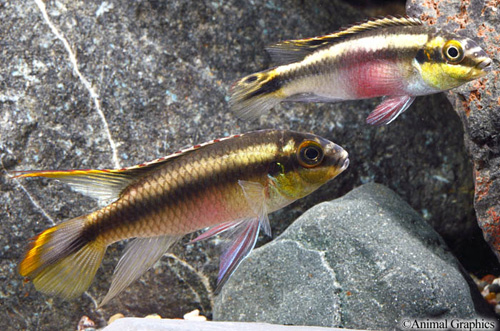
[139, 256]
[389, 109]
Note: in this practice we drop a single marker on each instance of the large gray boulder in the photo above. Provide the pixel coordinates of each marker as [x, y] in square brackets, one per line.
[366, 260]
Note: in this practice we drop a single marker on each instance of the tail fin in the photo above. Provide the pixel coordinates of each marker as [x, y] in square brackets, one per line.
[61, 260]
[255, 94]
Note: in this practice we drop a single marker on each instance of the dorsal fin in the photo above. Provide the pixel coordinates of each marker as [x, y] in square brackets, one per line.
[150, 165]
[107, 184]
[290, 51]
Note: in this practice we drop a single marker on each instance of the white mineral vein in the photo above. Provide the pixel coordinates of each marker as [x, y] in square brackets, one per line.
[96, 305]
[34, 202]
[204, 279]
[85, 82]
[32, 199]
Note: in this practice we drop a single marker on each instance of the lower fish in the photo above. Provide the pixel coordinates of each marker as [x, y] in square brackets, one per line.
[398, 58]
[229, 185]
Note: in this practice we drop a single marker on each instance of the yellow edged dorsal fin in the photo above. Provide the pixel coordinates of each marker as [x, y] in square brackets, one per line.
[107, 184]
[296, 50]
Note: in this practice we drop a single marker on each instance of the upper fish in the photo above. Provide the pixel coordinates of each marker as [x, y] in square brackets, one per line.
[395, 57]
[228, 184]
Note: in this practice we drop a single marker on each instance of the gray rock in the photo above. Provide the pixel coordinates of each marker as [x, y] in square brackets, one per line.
[110, 83]
[366, 260]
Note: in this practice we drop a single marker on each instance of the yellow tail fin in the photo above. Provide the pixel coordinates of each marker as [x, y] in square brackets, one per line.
[63, 260]
[255, 94]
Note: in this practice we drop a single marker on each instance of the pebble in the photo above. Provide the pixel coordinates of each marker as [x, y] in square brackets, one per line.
[194, 316]
[86, 324]
[494, 287]
[114, 318]
[489, 286]
[153, 316]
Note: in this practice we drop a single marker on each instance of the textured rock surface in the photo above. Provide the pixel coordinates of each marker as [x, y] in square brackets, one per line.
[155, 75]
[365, 260]
[477, 103]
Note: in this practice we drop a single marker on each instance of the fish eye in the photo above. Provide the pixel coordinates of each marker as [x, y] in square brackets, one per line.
[453, 51]
[310, 154]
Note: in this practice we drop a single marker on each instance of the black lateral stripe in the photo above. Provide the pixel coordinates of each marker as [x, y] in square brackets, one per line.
[270, 86]
[349, 58]
[193, 186]
[421, 57]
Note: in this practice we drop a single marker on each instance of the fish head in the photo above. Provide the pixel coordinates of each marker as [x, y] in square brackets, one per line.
[311, 162]
[448, 61]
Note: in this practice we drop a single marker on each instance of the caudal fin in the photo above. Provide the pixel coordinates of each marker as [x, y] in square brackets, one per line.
[62, 260]
[256, 94]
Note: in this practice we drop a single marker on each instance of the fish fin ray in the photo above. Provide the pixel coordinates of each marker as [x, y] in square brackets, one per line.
[290, 51]
[255, 94]
[213, 231]
[255, 194]
[106, 185]
[60, 262]
[243, 234]
[139, 256]
[389, 109]
[241, 242]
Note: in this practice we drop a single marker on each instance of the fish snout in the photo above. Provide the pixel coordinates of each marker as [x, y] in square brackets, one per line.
[485, 64]
[341, 157]
[345, 165]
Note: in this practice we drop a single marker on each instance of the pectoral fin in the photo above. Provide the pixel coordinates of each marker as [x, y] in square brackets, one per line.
[389, 109]
[255, 194]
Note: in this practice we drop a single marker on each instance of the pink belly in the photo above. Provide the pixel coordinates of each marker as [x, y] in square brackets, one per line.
[374, 79]
[213, 208]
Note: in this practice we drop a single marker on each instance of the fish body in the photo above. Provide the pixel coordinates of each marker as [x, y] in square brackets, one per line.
[229, 184]
[396, 57]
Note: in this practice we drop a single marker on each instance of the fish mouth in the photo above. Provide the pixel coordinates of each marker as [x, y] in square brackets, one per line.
[480, 69]
[345, 165]
[484, 65]
[339, 160]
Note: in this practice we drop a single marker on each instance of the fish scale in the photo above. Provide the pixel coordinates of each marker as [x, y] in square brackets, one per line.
[230, 183]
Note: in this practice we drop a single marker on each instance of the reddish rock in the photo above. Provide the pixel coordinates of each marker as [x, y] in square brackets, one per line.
[488, 278]
[477, 103]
